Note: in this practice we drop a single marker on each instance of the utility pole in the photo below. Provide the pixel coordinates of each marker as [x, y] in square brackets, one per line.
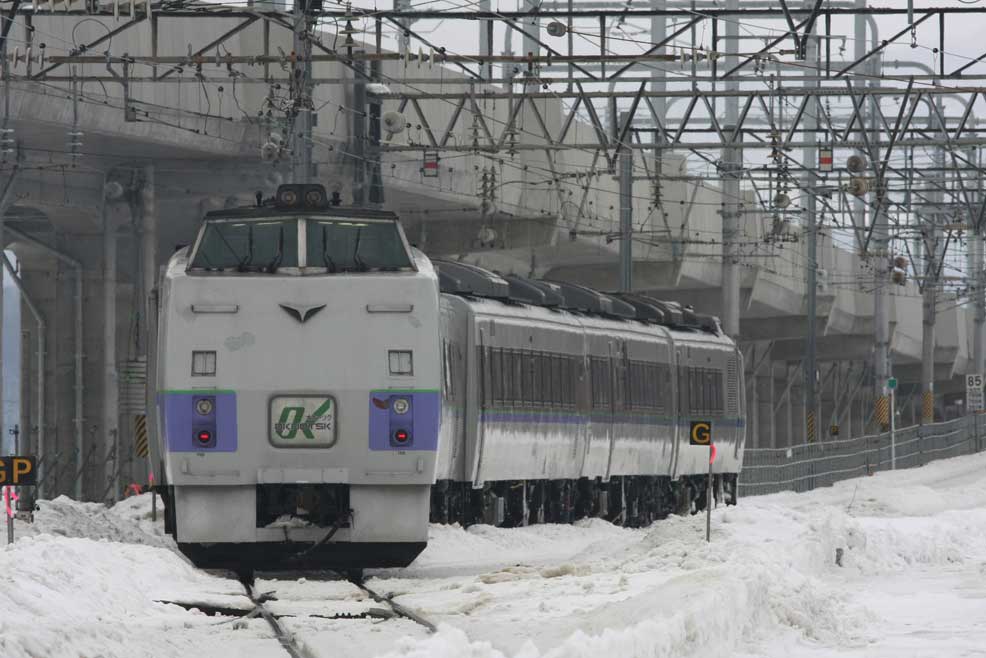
[732, 166]
[302, 88]
[810, 158]
[626, 212]
[929, 292]
[976, 272]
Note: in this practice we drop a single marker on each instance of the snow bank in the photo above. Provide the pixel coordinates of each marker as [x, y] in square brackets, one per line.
[770, 571]
[62, 596]
[129, 521]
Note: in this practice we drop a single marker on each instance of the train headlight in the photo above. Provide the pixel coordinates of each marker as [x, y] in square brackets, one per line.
[203, 436]
[401, 406]
[315, 197]
[204, 406]
[401, 436]
[287, 197]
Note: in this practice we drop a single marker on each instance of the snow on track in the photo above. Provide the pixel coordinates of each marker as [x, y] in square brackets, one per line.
[913, 582]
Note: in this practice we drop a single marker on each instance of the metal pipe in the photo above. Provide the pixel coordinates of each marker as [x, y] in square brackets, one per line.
[42, 343]
[79, 420]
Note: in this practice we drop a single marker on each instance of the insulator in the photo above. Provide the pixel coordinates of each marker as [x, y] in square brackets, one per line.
[856, 163]
[557, 29]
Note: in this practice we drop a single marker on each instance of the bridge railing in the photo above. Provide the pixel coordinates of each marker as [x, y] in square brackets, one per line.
[821, 464]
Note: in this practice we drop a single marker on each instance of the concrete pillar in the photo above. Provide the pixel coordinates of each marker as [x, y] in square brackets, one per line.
[6, 199]
[771, 416]
[111, 391]
[757, 433]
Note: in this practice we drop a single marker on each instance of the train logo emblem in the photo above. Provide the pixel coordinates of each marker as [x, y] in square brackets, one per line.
[302, 313]
[302, 421]
[701, 433]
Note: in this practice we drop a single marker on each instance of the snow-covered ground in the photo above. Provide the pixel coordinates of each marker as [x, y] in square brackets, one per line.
[86, 581]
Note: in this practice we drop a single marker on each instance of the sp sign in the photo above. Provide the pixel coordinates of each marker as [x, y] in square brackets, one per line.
[701, 433]
[18, 471]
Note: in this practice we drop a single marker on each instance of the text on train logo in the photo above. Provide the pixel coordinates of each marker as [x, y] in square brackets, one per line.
[701, 433]
[292, 420]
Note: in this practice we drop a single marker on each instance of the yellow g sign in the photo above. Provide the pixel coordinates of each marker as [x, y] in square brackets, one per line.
[701, 433]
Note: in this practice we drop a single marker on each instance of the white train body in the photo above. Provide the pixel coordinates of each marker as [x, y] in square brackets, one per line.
[321, 395]
[319, 400]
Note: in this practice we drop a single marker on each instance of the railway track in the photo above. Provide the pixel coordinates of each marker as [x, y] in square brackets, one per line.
[258, 607]
[287, 639]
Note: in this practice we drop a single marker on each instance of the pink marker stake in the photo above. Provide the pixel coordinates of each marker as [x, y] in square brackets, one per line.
[10, 495]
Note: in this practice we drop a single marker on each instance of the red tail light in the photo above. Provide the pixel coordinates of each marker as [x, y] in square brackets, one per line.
[401, 436]
[204, 436]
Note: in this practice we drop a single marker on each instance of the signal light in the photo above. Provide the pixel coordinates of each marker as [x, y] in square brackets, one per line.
[401, 436]
[204, 436]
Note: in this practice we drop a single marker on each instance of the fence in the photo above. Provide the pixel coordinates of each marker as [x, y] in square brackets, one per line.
[812, 465]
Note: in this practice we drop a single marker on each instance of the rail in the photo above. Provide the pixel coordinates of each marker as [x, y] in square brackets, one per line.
[811, 465]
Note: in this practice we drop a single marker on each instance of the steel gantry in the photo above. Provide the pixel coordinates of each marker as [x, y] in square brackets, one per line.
[756, 108]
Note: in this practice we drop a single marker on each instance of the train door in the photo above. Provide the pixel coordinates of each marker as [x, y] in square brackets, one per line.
[607, 411]
[677, 406]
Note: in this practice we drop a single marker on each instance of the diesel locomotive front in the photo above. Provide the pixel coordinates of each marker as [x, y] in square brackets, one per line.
[298, 388]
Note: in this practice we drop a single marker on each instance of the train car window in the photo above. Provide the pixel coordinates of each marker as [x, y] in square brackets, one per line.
[519, 387]
[602, 383]
[698, 391]
[356, 246]
[544, 364]
[537, 386]
[684, 391]
[568, 381]
[254, 246]
[556, 380]
[496, 367]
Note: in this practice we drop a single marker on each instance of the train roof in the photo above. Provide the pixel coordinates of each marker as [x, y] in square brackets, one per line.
[267, 212]
[464, 279]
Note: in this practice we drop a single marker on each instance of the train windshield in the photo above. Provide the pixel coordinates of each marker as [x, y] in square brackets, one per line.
[254, 246]
[355, 246]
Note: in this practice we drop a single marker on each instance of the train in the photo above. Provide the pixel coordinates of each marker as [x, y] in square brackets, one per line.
[324, 391]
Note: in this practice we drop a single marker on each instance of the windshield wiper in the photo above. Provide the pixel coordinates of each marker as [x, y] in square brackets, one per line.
[247, 262]
[360, 265]
[279, 256]
[330, 264]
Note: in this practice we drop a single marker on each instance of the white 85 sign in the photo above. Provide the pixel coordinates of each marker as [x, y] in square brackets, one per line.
[973, 381]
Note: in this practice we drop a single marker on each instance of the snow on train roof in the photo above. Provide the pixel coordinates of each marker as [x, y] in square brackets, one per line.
[575, 320]
[542, 300]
